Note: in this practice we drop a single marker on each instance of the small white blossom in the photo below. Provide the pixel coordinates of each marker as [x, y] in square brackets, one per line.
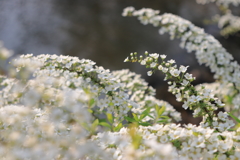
[179, 97]
[160, 67]
[175, 72]
[149, 73]
[171, 61]
[183, 69]
[185, 105]
[154, 55]
[143, 62]
[163, 56]
[222, 115]
[185, 82]
[127, 11]
[153, 64]
[126, 60]
[164, 69]
[188, 76]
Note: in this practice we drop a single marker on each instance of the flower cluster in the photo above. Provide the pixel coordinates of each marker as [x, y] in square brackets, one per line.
[28, 133]
[54, 104]
[229, 24]
[208, 50]
[170, 142]
[42, 116]
[141, 93]
[63, 73]
[220, 2]
[201, 101]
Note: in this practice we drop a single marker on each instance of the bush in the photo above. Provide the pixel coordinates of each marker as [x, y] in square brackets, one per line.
[61, 107]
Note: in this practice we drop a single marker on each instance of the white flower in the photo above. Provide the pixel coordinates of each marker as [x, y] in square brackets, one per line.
[220, 103]
[185, 82]
[167, 64]
[179, 97]
[163, 56]
[223, 126]
[164, 138]
[215, 123]
[188, 76]
[175, 72]
[154, 55]
[171, 61]
[127, 10]
[195, 99]
[153, 64]
[164, 69]
[222, 115]
[199, 142]
[212, 148]
[149, 73]
[143, 62]
[195, 153]
[126, 60]
[185, 105]
[183, 69]
[160, 67]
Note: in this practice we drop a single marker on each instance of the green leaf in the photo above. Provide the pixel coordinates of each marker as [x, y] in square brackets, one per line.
[90, 111]
[195, 133]
[135, 117]
[95, 124]
[161, 110]
[118, 127]
[86, 126]
[145, 113]
[177, 143]
[236, 127]
[144, 123]
[105, 124]
[130, 119]
[162, 121]
[150, 116]
[235, 118]
[109, 117]
[229, 99]
[102, 120]
[91, 102]
[164, 117]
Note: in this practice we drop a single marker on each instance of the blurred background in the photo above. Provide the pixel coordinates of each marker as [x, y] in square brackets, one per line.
[95, 29]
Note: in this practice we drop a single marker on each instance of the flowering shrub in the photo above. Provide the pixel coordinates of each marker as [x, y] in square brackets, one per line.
[229, 23]
[61, 107]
